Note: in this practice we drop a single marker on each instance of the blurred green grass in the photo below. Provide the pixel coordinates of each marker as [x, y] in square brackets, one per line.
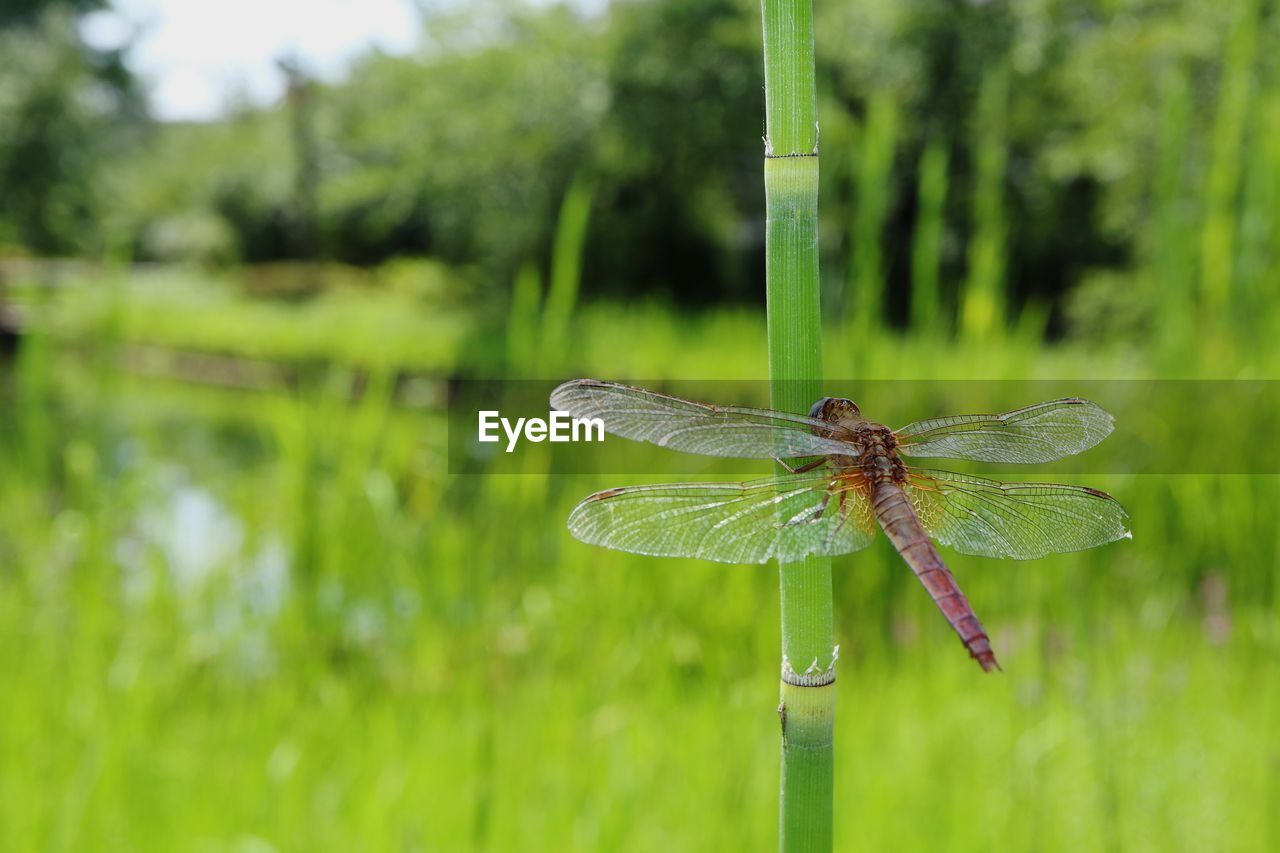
[271, 620]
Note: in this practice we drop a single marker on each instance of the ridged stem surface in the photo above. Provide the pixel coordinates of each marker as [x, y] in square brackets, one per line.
[795, 369]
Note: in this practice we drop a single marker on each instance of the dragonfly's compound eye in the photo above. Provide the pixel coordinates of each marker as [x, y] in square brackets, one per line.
[819, 409]
[835, 409]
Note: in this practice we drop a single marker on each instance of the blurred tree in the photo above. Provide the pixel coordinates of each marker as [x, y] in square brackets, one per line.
[14, 12]
[300, 98]
[214, 192]
[680, 205]
[64, 110]
[465, 150]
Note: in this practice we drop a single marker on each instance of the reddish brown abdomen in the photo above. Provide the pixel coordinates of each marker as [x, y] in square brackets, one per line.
[904, 530]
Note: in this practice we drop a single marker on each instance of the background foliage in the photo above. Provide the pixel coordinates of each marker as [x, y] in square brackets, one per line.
[463, 150]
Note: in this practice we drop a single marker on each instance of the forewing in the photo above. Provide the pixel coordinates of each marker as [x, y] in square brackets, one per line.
[1040, 433]
[1019, 520]
[785, 518]
[697, 427]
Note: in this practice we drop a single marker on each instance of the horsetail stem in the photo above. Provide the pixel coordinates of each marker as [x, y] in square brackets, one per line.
[807, 709]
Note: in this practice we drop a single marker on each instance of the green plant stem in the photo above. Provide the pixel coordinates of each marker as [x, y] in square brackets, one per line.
[790, 87]
[795, 369]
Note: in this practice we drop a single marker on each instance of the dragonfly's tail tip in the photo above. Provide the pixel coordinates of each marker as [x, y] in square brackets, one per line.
[988, 663]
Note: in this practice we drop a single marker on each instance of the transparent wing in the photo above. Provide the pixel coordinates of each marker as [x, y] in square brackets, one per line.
[1019, 520]
[1040, 433]
[783, 518]
[697, 427]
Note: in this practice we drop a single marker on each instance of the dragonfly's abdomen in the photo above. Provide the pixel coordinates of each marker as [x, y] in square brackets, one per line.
[904, 530]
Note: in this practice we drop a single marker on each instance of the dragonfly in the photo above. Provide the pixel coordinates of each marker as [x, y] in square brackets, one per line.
[854, 480]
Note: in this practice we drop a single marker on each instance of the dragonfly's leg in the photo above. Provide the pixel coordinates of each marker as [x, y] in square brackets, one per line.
[808, 466]
[822, 507]
[844, 516]
[815, 516]
[826, 501]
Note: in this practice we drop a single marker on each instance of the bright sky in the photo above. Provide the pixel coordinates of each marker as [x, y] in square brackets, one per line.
[196, 55]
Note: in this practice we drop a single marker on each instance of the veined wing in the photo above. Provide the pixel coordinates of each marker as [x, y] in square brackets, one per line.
[1040, 433]
[1019, 520]
[697, 427]
[784, 518]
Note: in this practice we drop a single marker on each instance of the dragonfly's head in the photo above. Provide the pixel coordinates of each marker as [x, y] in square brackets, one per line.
[835, 410]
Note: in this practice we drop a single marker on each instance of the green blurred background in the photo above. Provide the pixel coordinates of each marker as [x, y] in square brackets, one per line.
[245, 606]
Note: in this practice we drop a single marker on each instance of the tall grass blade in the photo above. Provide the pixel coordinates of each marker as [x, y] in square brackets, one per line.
[566, 272]
[982, 310]
[1170, 249]
[1222, 186]
[926, 249]
[873, 191]
[524, 323]
[1259, 257]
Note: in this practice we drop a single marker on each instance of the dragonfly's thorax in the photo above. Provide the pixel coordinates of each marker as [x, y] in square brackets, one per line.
[879, 457]
[880, 465]
[876, 445]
